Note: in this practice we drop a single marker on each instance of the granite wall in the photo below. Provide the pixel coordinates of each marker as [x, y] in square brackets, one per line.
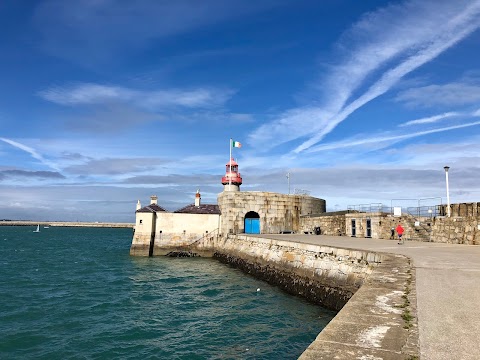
[457, 229]
[278, 212]
[461, 209]
[328, 224]
[322, 274]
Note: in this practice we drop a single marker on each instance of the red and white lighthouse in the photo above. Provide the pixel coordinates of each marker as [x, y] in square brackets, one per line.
[232, 179]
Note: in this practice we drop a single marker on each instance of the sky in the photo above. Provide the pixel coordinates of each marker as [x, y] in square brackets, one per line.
[106, 102]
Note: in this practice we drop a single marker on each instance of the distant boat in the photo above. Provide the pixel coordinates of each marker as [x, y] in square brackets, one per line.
[46, 227]
[38, 228]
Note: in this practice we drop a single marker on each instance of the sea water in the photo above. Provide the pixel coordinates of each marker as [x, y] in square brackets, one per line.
[76, 293]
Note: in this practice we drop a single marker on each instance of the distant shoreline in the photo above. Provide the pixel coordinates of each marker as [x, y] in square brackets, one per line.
[65, 224]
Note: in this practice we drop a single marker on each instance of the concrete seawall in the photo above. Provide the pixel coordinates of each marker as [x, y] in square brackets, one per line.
[66, 224]
[374, 292]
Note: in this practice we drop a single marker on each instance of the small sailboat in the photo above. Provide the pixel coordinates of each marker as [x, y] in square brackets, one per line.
[38, 228]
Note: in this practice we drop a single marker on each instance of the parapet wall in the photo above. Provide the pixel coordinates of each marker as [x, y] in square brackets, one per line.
[456, 230]
[462, 209]
[378, 322]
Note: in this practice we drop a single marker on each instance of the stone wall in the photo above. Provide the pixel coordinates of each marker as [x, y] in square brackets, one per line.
[329, 225]
[278, 212]
[381, 225]
[453, 230]
[462, 227]
[456, 230]
[322, 274]
[461, 209]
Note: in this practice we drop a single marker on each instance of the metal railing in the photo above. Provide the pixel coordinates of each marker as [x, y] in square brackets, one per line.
[297, 191]
[207, 234]
[369, 208]
[424, 211]
[418, 207]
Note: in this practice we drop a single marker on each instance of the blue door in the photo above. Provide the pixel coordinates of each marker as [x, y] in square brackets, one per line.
[252, 226]
[248, 226]
[252, 223]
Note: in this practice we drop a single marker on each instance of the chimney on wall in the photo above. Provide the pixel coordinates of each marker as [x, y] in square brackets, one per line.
[197, 198]
[139, 206]
[153, 199]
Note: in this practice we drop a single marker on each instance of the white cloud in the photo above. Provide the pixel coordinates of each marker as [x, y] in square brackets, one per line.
[89, 93]
[32, 152]
[453, 94]
[380, 140]
[387, 45]
[432, 119]
[437, 118]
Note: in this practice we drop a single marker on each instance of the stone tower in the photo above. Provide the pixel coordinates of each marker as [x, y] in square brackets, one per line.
[232, 179]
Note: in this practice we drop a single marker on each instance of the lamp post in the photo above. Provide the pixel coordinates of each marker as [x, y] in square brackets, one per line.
[448, 194]
[288, 179]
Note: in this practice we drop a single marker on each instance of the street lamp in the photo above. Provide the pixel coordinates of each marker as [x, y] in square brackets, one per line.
[448, 194]
[288, 178]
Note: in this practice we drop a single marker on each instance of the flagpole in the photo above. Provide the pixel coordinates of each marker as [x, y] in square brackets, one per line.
[230, 166]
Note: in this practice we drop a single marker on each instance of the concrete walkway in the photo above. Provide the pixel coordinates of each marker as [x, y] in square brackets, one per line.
[448, 291]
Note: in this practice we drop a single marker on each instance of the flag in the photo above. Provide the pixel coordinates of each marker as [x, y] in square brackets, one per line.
[236, 144]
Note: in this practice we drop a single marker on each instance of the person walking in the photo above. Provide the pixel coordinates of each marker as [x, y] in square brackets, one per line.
[392, 234]
[400, 231]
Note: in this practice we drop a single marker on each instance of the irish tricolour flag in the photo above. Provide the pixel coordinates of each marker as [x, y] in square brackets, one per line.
[236, 144]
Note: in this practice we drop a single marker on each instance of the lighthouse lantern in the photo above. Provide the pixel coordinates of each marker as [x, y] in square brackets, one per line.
[232, 179]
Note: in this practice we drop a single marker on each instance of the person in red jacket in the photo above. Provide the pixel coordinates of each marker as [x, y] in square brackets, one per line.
[400, 231]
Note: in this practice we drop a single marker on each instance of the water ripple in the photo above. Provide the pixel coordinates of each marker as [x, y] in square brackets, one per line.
[77, 294]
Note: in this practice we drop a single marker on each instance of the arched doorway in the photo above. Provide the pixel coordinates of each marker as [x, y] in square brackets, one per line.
[252, 223]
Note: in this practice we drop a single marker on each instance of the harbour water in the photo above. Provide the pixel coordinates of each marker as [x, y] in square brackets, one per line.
[76, 293]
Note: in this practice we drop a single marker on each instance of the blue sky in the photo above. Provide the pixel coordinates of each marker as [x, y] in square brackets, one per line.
[106, 102]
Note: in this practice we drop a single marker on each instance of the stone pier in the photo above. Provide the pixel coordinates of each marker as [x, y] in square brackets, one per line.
[374, 292]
